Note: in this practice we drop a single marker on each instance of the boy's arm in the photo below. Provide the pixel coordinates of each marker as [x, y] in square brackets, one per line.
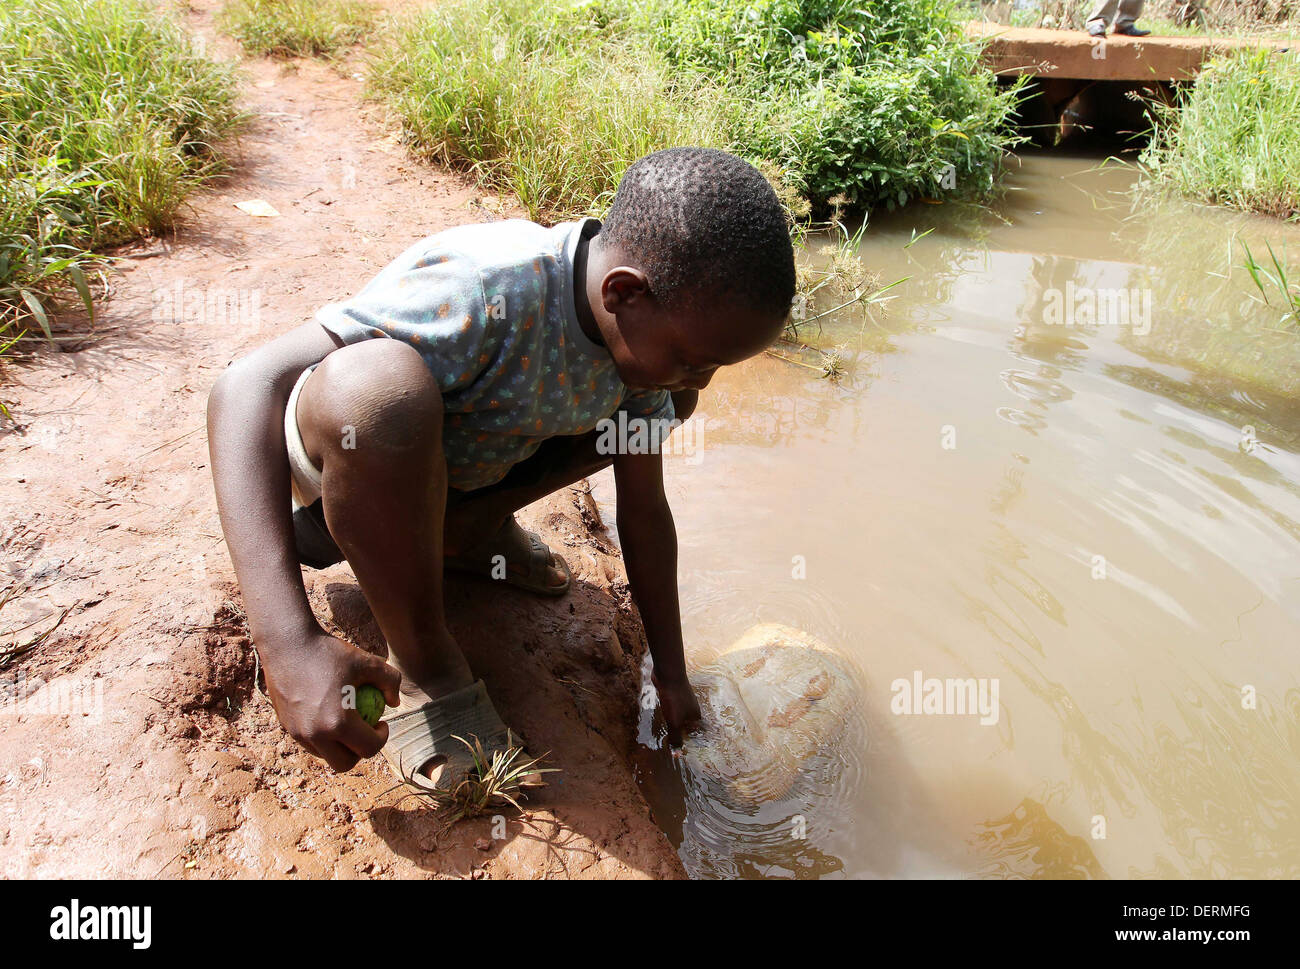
[306, 668]
[649, 539]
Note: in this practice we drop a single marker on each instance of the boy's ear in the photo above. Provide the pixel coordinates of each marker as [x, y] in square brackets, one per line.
[622, 287]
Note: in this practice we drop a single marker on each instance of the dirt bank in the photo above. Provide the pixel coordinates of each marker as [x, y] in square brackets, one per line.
[170, 762]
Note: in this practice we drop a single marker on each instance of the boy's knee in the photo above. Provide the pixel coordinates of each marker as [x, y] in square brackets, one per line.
[684, 402]
[368, 397]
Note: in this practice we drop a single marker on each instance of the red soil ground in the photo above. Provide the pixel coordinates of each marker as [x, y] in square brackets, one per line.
[109, 524]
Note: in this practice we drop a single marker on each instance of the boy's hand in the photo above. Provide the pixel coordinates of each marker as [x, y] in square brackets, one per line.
[681, 708]
[306, 686]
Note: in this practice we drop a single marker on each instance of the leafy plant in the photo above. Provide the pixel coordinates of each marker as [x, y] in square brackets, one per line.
[876, 102]
[550, 105]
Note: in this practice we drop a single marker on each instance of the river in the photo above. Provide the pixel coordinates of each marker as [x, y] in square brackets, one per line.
[1026, 479]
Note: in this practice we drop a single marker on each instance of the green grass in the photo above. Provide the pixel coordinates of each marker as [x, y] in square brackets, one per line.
[108, 121]
[858, 103]
[292, 28]
[1274, 278]
[1235, 140]
[496, 780]
[549, 108]
[1220, 319]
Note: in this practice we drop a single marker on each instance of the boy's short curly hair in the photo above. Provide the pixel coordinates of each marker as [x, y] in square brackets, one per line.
[705, 225]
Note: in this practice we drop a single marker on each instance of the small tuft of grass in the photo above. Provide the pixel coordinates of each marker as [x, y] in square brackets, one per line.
[834, 362]
[297, 28]
[496, 780]
[839, 277]
[1278, 280]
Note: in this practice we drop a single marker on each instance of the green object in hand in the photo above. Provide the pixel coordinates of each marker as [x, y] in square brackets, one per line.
[370, 704]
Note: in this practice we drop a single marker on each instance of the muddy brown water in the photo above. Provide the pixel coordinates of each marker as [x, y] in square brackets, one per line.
[1100, 521]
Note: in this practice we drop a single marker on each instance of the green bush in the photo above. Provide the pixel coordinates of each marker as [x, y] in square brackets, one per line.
[1236, 138]
[873, 101]
[868, 103]
[107, 122]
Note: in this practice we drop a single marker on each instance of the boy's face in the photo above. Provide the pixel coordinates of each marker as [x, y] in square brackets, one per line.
[682, 350]
[659, 349]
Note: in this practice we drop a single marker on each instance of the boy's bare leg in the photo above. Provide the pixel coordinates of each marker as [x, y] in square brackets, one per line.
[370, 417]
[486, 516]
[474, 517]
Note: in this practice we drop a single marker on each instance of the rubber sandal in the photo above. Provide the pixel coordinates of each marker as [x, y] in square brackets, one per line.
[530, 576]
[416, 737]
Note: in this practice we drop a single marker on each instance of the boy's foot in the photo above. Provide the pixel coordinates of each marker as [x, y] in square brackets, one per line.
[528, 562]
[1097, 29]
[1128, 30]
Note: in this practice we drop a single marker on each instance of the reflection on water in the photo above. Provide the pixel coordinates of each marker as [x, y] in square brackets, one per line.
[1102, 514]
[1028, 843]
[779, 839]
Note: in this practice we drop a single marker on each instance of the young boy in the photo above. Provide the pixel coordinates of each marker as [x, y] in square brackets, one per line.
[468, 379]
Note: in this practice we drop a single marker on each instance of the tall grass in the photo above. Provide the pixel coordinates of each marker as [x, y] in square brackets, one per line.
[288, 28]
[1236, 138]
[549, 105]
[108, 120]
[866, 102]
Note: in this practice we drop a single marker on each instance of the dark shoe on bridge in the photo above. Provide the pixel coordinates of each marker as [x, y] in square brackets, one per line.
[1131, 31]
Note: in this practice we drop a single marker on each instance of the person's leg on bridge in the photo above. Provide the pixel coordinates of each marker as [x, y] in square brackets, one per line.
[1101, 16]
[1105, 11]
[1129, 11]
